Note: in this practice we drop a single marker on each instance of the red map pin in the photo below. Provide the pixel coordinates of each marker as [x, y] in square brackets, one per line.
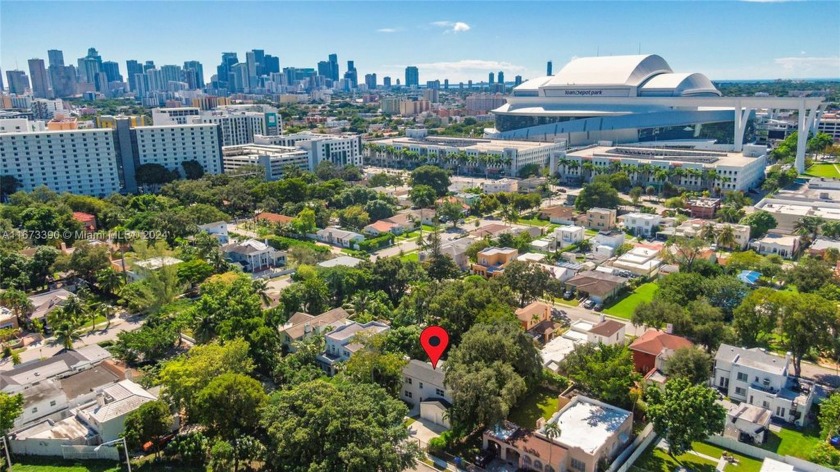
[434, 340]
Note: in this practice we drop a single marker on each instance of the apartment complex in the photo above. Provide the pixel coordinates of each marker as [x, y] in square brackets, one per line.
[238, 126]
[339, 149]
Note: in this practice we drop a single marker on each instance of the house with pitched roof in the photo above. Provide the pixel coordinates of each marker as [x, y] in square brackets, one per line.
[253, 255]
[536, 320]
[302, 325]
[342, 342]
[423, 388]
[652, 345]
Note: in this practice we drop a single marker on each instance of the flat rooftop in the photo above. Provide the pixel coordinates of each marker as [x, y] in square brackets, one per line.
[588, 425]
[717, 158]
[479, 145]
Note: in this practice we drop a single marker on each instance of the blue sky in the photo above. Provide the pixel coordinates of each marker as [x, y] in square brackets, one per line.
[455, 40]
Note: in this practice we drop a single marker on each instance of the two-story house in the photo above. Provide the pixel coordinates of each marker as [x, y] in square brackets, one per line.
[568, 235]
[342, 342]
[492, 261]
[535, 319]
[641, 224]
[219, 229]
[303, 325]
[600, 219]
[423, 388]
[759, 378]
[253, 255]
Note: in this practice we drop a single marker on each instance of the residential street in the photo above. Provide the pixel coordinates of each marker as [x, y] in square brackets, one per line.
[48, 347]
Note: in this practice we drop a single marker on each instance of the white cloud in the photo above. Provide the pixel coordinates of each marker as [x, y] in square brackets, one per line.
[809, 67]
[452, 26]
[388, 30]
[461, 71]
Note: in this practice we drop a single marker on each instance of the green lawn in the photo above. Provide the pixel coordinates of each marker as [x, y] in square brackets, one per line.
[533, 222]
[625, 307]
[572, 302]
[791, 442]
[823, 170]
[411, 256]
[55, 464]
[657, 460]
[538, 403]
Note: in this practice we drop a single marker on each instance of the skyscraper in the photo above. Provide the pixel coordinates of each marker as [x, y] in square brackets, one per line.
[259, 58]
[325, 69]
[412, 76]
[351, 73]
[18, 81]
[56, 58]
[251, 62]
[40, 80]
[198, 71]
[548, 68]
[63, 81]
[517, 80]
[1, 81]
[132, 68]
[386, 82]
[148, 65]
[370, 81]
[170, 73]
[446, 84]
[501, 77]
[490, 78]
[333, 58]
[223, 71]
[271, 65]
[112, 71]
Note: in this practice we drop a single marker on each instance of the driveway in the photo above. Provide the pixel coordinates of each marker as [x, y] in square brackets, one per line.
[424, 430]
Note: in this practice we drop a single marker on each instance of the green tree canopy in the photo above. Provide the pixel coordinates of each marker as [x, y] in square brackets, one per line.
[433, 176]
[606, 372]
[684, 413]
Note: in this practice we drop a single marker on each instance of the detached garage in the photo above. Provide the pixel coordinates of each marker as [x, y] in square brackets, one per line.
[434, 410]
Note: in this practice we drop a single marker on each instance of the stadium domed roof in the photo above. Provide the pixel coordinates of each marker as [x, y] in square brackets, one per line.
[609, 70]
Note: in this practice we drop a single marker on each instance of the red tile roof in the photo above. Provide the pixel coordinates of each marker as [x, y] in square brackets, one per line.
[273, 218]
[655, 341]
[83, 217]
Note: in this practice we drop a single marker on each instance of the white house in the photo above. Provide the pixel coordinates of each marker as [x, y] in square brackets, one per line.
[423, 388]
[640, 261]
[641, 224]
[253, 255]
[747, 420]
[785, 245]
[568, 235]
[607, 332]
[219, 229]
[761, 379]
[341, 342]
[339, 237]
[613, 239]
[501, 185]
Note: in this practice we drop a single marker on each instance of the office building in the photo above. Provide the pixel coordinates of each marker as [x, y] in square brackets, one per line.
[501, 77]
[549, 69]
[55, 57]
[517, 80]
[333, 60]
[18, 82]
[197, 72]
[692, 167]
[270, 65]
[63, 81]
[132, 68]
[339, 149]
[103, 161]
[370, 81]
[40, 80]
[829, 123]
[504, 157]
[639, 98]
[386, 82]
[412, 76]
[491, 79]
[270, 160]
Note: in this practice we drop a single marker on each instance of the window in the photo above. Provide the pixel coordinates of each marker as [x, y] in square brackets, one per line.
[421, 384]
[408, 394]
[740, 391]
[52, 403]
[35, 410]
[439, 392]
[408, 380]
[742, 377]
[780, 411]
[578, 465]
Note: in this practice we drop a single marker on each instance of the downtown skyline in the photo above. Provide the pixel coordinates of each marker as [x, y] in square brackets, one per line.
[459, 42]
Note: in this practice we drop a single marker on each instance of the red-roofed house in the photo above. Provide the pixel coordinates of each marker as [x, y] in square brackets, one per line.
[87, 220]
[273, 218]
[654, 343]
[381, 227]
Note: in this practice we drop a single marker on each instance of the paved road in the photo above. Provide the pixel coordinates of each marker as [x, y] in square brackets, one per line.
[48, 347]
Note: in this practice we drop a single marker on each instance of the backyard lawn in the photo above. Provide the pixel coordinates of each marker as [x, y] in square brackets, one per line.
[625, 307]
[791, 442]
[533, 222]
[540, 402]
[411, 256]
[823, 170]
[658, 460]
[54, 464]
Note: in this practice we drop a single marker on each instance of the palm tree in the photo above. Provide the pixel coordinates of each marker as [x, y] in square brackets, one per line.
[808, 226]
[551, 431]
[708, 232]
[260, 286]
[65, 334]
[109, 280]
[16, 301]
[726, 237]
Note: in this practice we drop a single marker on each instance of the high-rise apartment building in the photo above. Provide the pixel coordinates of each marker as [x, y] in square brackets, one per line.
[333, 59]
[104, 161]
[491, 78]
[517, 80]
[386, 82]
[370, 81]
[40, 79]
[132, 68]
[271, 65]
[548, 68]
[56, 58]
[501, 77]
[63, 81]
[412, 76]
[112, 71]
[18, 81]
[237, 125]
[1, 82]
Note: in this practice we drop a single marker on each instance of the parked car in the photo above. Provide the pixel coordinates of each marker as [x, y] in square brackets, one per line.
[588, 304]
[599, 307]
[568, 295]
